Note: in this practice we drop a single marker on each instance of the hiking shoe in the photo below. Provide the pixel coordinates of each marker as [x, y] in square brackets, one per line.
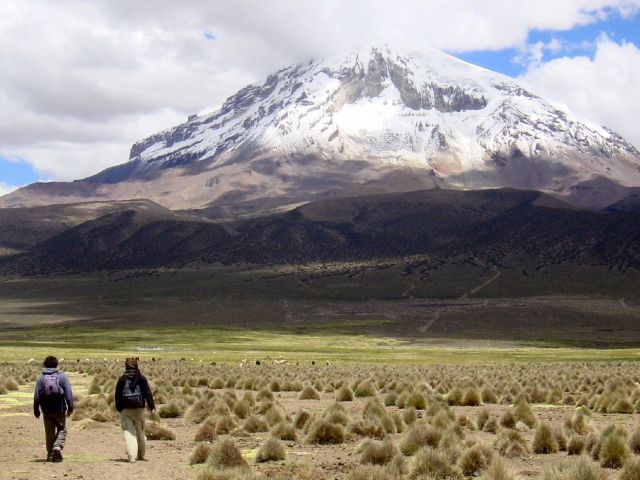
[49, 458]
[56, 456]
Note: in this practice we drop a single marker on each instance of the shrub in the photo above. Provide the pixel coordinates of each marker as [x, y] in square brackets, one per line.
[336, 414]
[454, 397]
[199, 454]
[324, 432]
[544, 440]
[434, 464]
[522, 412]
[378, 453]
[271, 450]
[309, 393]
[344, 394]
[623, 405]
[225, 454]
[373, 429]
[155, 431]
[225, 424]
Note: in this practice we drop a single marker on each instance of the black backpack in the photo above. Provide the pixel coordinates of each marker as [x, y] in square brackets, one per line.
[132, 398]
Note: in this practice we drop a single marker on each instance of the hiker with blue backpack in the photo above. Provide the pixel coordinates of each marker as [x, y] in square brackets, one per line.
[132, 393]
[54, 397]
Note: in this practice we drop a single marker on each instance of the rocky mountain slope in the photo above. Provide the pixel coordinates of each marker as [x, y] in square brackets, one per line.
[516, 230]
[371, 121]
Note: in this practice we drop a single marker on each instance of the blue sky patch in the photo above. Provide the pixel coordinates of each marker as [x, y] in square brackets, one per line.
[17, 172]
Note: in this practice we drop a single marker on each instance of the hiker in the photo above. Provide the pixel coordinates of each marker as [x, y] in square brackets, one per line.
[54, 397]
[132, 392]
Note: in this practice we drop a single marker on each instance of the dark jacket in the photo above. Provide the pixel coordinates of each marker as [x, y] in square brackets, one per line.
[58, 404]
[136, 378]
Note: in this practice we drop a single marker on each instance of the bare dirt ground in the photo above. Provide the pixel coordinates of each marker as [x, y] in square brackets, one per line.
[95, 451]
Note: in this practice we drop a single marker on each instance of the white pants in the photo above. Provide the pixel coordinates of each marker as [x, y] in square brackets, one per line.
[132, 423]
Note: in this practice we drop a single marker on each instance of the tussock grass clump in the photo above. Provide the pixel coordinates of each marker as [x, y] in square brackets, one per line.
[365, 389]
[207, 431]
[471, 398]
[488, 396]
[483, 417]
[523, 413]
[11, 385]
[545, 440]
[372, 429]
[173, 409]
[378, 453]
[271, 450]
[324, 432]
[581, 469]
[336, 413]
[371, 472]
[254, 424]
[225, 424]
[613, 450]
[631, 470]
[309, 393]
[419, 435]
[511, 443]
[498, 470]
[225, 454]
[475, 460]
[390, 399]
[416, 400]
[241, 408]
[409, 415]
[155, 431]
[507, 420]
[301, 418]
[344, 394]
[576, 445]
[200, 454]
[199, 411]
[634, 441]
[285, 431]
[3, 390]
[434, 464]
[264, 394]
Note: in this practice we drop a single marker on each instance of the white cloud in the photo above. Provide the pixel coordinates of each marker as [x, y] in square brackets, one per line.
[81, 81]
[605, 89]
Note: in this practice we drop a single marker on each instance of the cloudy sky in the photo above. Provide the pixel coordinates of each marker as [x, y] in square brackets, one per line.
[81, 81]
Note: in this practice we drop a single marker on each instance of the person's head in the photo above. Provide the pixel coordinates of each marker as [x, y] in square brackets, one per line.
[51, 362]
[131, 363]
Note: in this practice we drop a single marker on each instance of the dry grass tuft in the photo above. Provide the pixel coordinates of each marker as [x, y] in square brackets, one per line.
[271, 450]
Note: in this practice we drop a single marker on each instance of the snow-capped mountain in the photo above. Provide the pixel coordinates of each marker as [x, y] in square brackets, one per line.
[372, 120]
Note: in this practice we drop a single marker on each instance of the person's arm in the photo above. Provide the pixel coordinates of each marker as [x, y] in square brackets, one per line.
[148, 395]
[118, 394]
[36, 399]
[68, 393]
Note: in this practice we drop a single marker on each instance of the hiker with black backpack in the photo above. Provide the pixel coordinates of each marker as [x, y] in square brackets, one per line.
[132, 393]
[54, 397]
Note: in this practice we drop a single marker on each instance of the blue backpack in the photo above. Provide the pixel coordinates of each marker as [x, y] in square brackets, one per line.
[51, 386]
[132, 397]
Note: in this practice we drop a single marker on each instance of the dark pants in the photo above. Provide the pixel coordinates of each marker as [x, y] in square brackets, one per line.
[55, 431]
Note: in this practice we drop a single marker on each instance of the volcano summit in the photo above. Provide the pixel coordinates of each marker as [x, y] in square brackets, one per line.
[372, 121]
